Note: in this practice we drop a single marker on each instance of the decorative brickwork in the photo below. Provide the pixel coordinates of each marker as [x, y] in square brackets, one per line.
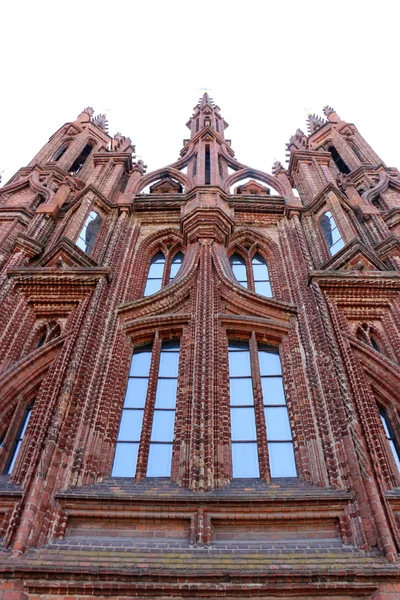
[81, 228]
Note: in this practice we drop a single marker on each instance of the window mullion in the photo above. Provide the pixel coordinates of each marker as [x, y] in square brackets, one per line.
[261, 428]
[250, 275]
[143, 452]
[167, 269]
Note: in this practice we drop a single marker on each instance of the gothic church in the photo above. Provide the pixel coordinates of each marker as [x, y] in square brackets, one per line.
[199, 369]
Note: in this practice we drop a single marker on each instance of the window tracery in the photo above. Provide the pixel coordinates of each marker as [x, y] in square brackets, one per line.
[162, 270]
[252, 273]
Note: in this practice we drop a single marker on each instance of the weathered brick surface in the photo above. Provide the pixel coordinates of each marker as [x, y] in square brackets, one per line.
[69, 530]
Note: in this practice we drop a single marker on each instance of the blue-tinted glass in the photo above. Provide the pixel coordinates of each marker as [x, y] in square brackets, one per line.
[166, 393]
[136, 393]
[263, 288]
[281, 460]
[272, 389]
[383, 419]
[140, 364]
[258, 260]
[245, 460]
[241, 391]
[260, 272]
[278, 426]
[81, 243]
[239, 272]
[163, 426]
[270, 363]
[14, 458]
[26, 421]
[159, 463]
[395, 454]
[125, 460]
[238, 345]
[176, 265]
[169, 362]
[235, 259]
[335, 235]
[243, 424]
[239, 363]
[156, 270]
[336, 247]
[152, 286]
[131, 425]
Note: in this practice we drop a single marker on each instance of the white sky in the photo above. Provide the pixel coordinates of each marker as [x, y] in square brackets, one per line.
[267, 63]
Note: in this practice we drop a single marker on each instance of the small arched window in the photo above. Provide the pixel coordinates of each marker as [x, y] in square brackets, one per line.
[252, 273]
[80, 161]
[238, 265]
[160, 272]
[331, 233]
[89, 232]
[18, 440]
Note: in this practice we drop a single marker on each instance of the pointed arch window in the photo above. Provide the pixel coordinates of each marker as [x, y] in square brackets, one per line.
[249, 372]
[338, 160]
[331, 233]
[150, 397]
[80, 160]
[61, 151]
[387, 426]
[18, 440]
[162, 271]
[252, 273]
[89, 232]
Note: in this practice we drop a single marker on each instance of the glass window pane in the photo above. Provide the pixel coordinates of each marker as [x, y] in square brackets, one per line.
[278, 427]
[26, 421]
[81, 241]
[241, 391]
[258, 260]
[260, 272]
[239, 272]
[159, 463]
[335, 235]
[263, 288]
[281, 460]
[156, 270]
[174, 270]
[168, 364]
[163, 426]
[245, 460]
[336, 247]
[383, 419]
[15, 455]
[237, 345]
[125, 460]
[136, 393]
[270, 363]
[152, 286]
[166, 393]
[235, 259]
[395, 455]
[239, 363]
[131, 425]
[243, 424]
[140, 364]
[272, 389]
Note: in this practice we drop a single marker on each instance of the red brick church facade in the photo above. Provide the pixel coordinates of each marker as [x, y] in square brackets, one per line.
[199, 369]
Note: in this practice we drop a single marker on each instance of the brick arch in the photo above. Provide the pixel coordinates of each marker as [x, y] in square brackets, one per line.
[248, 172]
[158, 241]
[159, 174]
[264, 245]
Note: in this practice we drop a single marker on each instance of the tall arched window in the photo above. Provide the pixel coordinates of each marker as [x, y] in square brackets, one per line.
[331, 233]
[244, 378]
[61, 151]
[252, 273]
[394, 447]
[160, 273]
[89, 232]
[153, 401]
[80, 160]
[18, 440]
